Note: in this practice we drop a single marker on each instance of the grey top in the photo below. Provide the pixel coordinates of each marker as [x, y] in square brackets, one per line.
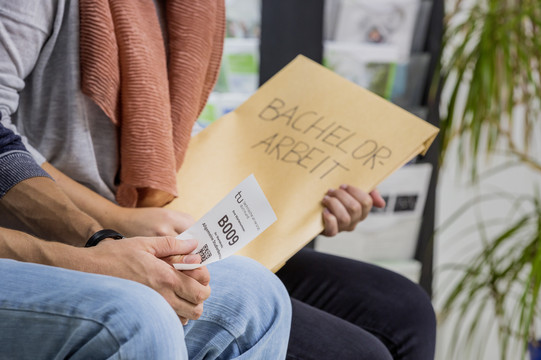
[40, 96]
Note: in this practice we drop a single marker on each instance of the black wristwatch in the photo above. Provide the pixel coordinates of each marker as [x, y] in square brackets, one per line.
[103, 234]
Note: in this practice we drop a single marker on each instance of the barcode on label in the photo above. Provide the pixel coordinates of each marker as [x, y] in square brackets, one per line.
[204, 253]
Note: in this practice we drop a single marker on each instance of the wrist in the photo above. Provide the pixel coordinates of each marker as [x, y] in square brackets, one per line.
[71, 257]
[92, 230]
[113, 216]
[102, 235]
[83, 259]
[24, 247]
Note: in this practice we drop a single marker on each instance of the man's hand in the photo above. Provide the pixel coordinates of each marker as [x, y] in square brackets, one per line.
[139, 259]
[346, 207]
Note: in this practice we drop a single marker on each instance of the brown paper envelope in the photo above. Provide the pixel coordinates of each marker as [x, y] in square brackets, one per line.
[303, 132]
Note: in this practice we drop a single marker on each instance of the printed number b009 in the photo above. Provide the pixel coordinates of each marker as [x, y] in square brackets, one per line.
[227, 229]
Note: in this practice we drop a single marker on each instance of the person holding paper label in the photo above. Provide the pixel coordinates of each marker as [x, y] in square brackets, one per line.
[56, 303]
[37, 299]
[114, 144]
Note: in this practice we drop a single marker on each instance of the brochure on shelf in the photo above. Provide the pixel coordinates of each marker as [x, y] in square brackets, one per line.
[243, 18]
[239, 72]
[304, 131]
[367, 65]
[389, 22]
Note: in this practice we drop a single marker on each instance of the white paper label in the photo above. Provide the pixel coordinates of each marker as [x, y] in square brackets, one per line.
[236, 220]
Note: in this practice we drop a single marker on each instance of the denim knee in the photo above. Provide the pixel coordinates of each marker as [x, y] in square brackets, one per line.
[258, 291]
[141, 321]
[64, 313]
[248, 313]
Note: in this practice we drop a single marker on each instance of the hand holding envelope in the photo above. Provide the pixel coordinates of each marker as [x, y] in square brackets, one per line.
[303, 132]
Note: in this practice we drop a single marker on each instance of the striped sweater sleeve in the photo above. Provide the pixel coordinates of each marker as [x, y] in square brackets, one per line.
[16, 163]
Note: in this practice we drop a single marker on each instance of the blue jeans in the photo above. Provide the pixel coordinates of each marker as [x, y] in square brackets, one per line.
[53, 313]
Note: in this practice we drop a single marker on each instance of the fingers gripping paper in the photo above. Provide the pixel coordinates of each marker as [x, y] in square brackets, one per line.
[236, 220]
[304, 131]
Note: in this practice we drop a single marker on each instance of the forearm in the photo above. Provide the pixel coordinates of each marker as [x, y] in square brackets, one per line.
[21, 246]
[40, 207]
[95, 205]
[128, 221]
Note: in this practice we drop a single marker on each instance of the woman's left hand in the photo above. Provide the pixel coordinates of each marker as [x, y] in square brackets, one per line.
[346, 206]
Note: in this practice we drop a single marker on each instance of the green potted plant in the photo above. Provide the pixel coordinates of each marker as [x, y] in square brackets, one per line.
[491, 69]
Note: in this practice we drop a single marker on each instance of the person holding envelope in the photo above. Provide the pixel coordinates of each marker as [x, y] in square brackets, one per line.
[106, 93]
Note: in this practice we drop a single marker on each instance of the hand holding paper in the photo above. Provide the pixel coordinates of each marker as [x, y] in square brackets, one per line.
[239, 218]
[346, 206]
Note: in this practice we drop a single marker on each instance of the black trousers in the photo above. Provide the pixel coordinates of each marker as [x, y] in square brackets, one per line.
[346, 309]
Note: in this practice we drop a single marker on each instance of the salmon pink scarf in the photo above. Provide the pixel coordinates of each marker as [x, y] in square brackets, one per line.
[152, 97]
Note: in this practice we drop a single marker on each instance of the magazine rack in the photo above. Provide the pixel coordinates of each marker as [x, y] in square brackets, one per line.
[292, 27]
